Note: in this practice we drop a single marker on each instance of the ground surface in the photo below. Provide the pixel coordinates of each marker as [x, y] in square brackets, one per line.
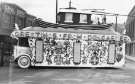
[14, 75]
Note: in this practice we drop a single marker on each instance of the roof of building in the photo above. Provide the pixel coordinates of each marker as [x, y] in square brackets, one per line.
[131, 13]
[73, 10]
[12, 5]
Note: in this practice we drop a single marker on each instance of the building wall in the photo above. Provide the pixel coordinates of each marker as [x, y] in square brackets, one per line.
[9, 15]
[130, 31]
[29, 20]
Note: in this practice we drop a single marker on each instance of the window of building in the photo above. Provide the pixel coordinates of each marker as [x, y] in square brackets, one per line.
[12, 21]
[6, 20]
[20, 22]
[68, 17]
[28, 23]
[58, 18]
[83, 18]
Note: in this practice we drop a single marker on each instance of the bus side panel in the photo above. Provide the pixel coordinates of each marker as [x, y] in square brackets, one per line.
[77, 53]
[111, 57]
[39, 51]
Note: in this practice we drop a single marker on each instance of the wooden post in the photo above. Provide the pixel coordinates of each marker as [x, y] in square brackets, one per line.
[56, 10]
[0, 57]
[116, 19]
[1, 54]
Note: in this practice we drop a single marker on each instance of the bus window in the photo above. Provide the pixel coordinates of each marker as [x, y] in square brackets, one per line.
[23, 42]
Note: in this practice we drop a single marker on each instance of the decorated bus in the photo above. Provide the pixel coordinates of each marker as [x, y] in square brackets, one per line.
[75, 41]
[69, 47]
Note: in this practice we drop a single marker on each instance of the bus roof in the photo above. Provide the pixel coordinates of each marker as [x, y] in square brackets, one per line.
[109, 31]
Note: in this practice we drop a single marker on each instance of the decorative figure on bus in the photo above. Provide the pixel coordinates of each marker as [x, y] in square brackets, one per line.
[55, 36]
[103, 60]
[67, 47]
[48, 59]
[58, 59]
[31, 42]
[67, 61]
[59, 48]
[84, 61]
[103, 51]
[94, 50]
[49, 53]
[53, 42]
[47, 40]
[67, 43]
[94, 60]
[65, 36]
[84, 49]
[32, 47]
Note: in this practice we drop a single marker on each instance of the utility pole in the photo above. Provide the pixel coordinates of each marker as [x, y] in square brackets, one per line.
[1, 40]
[70, 4]
[116, 21]
[56, 10]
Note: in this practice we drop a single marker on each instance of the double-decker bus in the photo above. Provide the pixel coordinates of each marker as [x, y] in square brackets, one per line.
[60, 47]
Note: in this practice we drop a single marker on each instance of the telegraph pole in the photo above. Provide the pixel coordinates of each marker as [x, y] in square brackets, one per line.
[56, 9]
[116, 21]
[70, 4]
[1, 42]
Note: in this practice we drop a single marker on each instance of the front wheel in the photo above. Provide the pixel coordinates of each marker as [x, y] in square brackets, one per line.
[24, 62]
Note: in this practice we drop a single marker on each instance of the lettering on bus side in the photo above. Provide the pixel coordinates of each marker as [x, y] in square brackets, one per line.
[72, 36]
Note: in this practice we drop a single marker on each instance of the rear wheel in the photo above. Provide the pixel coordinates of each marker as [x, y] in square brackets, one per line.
[24, 62]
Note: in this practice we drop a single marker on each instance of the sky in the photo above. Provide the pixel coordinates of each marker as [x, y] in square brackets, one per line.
[45, 9]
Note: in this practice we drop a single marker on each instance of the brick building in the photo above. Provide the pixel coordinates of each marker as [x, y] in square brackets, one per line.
[130, 31]
[9, 15]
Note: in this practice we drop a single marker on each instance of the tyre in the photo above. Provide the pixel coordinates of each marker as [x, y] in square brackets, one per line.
[24, 62]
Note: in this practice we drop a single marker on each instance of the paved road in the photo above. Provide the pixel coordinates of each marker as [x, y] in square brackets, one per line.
[14, 75]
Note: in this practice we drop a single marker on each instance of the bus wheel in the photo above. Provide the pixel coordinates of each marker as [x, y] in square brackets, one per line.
[24, 62]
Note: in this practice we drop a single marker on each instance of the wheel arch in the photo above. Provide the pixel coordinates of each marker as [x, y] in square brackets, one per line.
[23, 55]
